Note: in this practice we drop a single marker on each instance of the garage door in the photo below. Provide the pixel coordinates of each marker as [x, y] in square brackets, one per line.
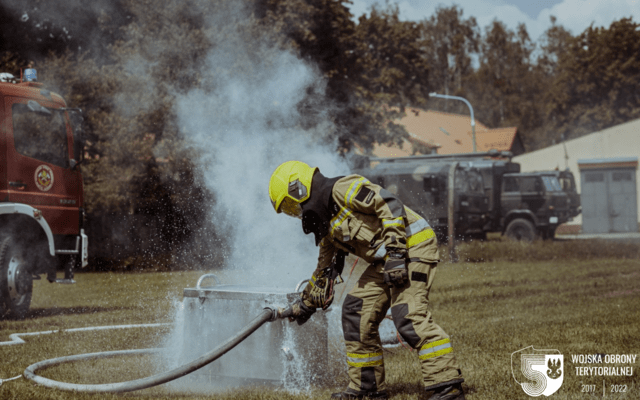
[609, 201]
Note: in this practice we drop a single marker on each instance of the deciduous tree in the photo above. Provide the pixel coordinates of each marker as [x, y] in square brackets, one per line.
[598, 81]
[449, 43]
[506, 88]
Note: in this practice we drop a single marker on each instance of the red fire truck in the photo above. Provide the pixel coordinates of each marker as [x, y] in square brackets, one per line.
[41, 192]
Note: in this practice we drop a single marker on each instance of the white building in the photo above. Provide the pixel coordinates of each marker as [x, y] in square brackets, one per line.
[618, 142]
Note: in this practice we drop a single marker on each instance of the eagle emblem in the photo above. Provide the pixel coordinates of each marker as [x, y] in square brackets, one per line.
[554, 370]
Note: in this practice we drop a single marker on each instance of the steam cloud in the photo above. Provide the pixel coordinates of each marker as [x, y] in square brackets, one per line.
[243, 130]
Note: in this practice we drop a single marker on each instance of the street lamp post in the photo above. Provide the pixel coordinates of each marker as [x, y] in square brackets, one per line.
[473, 121]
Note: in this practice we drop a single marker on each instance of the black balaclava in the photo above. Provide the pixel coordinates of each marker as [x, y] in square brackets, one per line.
[318, 210]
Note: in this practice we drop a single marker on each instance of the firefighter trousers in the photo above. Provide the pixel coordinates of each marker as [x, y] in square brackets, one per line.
[364, 308]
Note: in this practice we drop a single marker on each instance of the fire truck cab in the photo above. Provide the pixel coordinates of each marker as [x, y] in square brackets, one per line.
[41, 191]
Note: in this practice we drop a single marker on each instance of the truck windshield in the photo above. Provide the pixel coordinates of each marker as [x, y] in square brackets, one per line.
[551, 184]
[40, 136]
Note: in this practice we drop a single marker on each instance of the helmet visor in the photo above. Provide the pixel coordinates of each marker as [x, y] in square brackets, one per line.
[291, 207]
[297, 190]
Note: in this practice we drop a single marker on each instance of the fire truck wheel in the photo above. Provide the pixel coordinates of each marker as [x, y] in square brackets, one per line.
[521, 229]
[16, 282]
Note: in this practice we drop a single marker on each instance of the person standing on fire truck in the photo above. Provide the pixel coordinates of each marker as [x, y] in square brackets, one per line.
[350, 214]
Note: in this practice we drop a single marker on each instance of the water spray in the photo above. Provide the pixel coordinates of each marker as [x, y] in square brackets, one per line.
[269, 313]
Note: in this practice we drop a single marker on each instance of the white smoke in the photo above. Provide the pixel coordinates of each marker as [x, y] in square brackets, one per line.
[243, 129]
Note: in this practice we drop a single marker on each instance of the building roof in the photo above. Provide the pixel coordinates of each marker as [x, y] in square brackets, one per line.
[449, 134]
[384, 150]
[614, 162]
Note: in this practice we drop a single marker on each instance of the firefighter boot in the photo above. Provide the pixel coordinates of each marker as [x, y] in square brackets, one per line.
[448, 391]
[360, 394]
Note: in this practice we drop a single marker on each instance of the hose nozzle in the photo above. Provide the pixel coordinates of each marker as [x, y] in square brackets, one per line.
[286, 312]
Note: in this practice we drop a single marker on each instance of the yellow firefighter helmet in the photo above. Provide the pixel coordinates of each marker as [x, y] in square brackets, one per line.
[290, 186]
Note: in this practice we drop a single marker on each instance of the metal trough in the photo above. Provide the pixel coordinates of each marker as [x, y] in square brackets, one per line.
[280, 353]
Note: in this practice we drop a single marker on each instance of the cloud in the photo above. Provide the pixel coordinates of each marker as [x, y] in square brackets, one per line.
[359, 7]
[577, 15]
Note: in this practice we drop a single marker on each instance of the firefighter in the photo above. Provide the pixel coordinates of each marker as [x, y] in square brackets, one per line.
[350, 214]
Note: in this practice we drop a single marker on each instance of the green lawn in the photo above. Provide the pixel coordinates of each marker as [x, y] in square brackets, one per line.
[490, 309]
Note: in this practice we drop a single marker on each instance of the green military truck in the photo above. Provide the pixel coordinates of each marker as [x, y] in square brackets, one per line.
[489, 193]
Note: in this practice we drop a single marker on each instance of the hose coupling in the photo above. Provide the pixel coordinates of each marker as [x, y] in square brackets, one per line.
[279, 312]
[274, 313]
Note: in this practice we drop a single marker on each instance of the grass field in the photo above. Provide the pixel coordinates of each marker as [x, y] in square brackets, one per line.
[576, 304]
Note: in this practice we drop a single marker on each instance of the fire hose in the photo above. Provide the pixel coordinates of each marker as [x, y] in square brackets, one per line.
[268, 314]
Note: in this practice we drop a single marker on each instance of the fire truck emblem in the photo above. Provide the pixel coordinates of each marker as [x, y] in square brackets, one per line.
[44, 178]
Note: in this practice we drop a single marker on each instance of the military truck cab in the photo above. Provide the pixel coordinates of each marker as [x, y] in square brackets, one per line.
[41, 192]
[533, 204]
[568, 184]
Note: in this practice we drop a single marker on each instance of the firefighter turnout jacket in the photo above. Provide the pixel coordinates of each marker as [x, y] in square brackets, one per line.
[370, 220]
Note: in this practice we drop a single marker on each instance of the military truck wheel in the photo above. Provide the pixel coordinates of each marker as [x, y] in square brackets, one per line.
[521, 229]
[16, 282]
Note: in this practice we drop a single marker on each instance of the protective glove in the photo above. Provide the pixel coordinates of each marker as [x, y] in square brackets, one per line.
[301, 312]
[319, 291]
[395, 268]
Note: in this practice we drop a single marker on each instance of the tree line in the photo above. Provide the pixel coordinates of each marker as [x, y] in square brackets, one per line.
[125, 62]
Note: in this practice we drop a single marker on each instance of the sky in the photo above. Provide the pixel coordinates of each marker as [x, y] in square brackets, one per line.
[574, 15]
